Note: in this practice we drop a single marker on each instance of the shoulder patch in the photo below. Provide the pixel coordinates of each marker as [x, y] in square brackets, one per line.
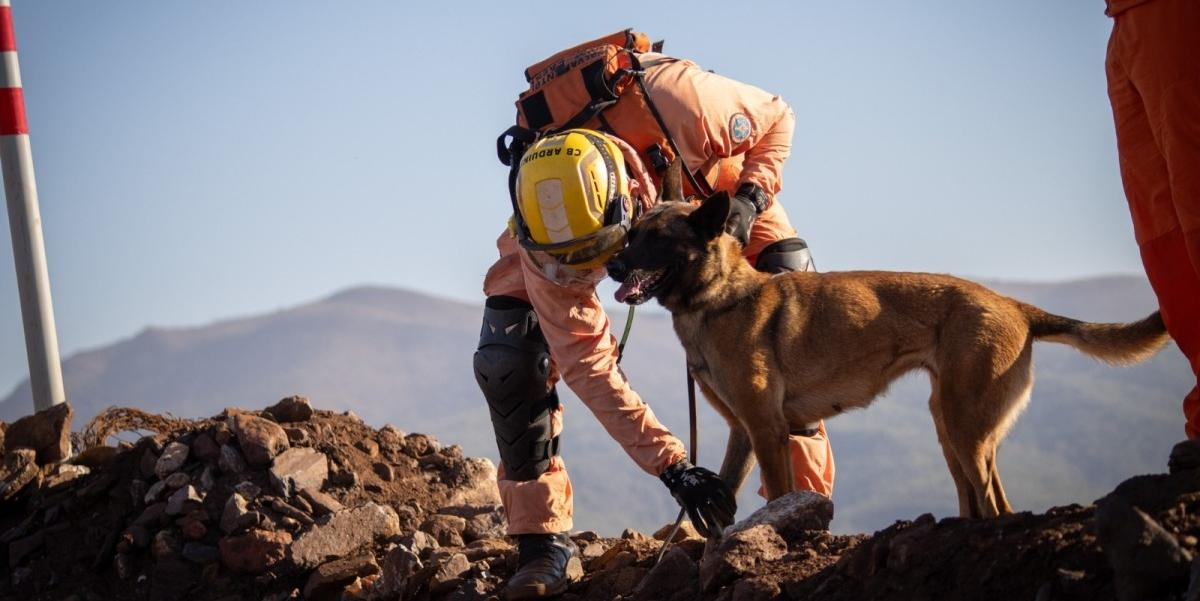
[739, 128]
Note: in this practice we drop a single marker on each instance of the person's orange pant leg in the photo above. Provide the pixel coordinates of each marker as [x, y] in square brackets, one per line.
[544, 505]
[812, 463]
[1153, 68]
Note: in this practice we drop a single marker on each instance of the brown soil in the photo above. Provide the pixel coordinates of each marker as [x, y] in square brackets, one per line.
[69, 539]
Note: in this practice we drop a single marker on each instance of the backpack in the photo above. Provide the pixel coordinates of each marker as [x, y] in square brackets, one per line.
[595, 85]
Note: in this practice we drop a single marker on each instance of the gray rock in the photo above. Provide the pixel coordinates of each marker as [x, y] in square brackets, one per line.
[740, 554]
[1147, 561]
[63, 473]
[208, 478]
[283, 508]
[47, 432]
[152, 516]
[342, 533]
[236, 515]
[300, 503]
[327, 581]
[448, 575]
[138, 490]
[248, 489]
[675, 576]
[164, 545]
[420, 543]
[177, 480]
[418, 445]
[231, 461]
[148, 461]
[368, 446]
[475, 482]
[484, 526]
[472, 589]
[447, 529]
[790, 515]
[297, 469]
[254, 551]
[184, 499]
[289, 524]
[205, 448]
[19, 470]
[123, 566]
[297, 436]
[322, 503]
[292, 409]
[261, 440]
[391, 437]
[156, 491]
[400, 566]
[172, 459]
[385, 472]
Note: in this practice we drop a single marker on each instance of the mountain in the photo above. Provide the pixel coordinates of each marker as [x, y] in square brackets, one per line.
[402, 357]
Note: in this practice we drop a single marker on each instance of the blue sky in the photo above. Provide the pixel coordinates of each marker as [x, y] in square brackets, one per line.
[197, 161]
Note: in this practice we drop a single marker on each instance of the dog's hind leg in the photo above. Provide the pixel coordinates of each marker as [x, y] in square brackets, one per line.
[998, 489]
[1013, 389]
[738, 458]
[978, 419]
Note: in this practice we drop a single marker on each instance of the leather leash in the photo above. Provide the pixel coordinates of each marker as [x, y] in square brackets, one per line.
[694, 432]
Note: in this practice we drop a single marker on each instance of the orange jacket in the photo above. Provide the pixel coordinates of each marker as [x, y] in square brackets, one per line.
[731, 131]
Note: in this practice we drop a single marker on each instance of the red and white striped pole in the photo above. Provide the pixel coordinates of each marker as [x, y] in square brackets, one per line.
[25, 221]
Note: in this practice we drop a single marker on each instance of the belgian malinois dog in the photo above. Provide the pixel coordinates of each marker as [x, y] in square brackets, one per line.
[775, 352]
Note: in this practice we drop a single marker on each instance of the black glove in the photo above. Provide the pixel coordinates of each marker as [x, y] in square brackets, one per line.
[745, 207]
[708, 500]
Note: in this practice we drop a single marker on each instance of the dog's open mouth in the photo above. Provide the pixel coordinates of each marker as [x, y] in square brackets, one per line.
[640, 286]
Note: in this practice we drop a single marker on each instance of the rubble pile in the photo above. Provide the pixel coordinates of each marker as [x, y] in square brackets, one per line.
[294, 503]
[284, 503]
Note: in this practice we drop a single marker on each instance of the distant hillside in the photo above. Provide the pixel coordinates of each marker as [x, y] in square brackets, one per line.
[402, 357]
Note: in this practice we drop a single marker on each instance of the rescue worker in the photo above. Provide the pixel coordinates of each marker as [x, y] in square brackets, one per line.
[1153, 68]
[574, 196]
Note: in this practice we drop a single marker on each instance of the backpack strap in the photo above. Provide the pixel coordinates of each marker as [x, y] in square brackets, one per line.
[706, 189]
[510, 154]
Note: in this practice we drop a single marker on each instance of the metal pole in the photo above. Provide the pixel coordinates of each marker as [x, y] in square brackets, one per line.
[25, 221]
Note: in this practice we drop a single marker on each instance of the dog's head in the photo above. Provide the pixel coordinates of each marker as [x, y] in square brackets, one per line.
[672, 253]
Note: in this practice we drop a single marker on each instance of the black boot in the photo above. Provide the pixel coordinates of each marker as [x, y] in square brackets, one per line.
[542, 570]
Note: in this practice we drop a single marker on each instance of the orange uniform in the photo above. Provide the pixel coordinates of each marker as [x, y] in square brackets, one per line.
[735, 132]
[1153, 68]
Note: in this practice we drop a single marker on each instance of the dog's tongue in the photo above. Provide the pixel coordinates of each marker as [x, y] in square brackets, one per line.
[627, 289]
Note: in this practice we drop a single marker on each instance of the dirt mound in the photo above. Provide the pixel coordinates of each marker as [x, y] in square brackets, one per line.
[276, 504]
[294, 503]
[1136, 543]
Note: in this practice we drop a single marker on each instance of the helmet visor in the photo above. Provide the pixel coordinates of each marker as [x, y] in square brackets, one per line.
[588, 251]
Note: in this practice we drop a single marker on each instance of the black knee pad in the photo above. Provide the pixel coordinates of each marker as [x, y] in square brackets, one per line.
[789, 254]
[512, 367]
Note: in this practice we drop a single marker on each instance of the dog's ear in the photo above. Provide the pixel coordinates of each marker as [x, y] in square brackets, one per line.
[709, 219]
[672, 181]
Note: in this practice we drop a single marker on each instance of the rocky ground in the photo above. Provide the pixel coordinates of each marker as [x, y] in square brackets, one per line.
[293, 503]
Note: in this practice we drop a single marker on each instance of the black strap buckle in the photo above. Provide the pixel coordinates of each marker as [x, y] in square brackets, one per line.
[657, 159]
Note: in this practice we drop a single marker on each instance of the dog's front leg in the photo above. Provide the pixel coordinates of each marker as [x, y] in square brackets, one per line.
[764, 422]
[738, 460]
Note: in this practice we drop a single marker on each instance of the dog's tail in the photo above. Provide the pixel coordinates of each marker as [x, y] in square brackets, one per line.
[1114, 343]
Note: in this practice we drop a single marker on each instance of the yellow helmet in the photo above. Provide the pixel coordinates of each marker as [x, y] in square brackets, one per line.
[572, 197]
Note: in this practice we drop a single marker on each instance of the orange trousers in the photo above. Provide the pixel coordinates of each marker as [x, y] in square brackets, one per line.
[1153, 68]
[584, 355]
